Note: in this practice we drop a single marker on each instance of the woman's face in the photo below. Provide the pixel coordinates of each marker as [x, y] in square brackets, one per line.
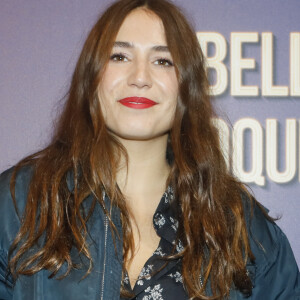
[139, 88]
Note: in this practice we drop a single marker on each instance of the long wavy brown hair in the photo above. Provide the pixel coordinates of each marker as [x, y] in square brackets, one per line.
[212, 224]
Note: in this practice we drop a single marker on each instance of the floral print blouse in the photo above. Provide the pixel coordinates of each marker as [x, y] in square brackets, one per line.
[158, 280]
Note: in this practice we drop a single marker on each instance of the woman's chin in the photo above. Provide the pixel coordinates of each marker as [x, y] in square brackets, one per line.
[138, 135]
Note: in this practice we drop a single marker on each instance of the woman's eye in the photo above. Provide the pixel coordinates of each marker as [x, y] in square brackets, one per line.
[164, 62]
[118, 57]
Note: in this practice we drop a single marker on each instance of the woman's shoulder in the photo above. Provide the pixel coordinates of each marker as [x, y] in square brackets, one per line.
[10, 220]
[264, 234]
[275, 267]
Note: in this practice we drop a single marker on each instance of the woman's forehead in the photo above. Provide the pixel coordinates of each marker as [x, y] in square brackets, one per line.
[142, 27]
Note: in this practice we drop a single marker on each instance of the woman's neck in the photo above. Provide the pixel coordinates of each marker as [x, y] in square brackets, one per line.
[147, 170]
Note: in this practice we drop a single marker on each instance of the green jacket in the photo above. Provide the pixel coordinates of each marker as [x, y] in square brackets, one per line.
[275, 274]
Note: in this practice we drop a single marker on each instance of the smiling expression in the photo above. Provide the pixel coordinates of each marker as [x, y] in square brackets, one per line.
[139, 88]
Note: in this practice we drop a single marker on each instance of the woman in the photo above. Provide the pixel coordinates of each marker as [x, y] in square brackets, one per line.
[132, 198]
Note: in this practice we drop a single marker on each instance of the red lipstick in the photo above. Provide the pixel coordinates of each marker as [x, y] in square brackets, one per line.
[137, 102]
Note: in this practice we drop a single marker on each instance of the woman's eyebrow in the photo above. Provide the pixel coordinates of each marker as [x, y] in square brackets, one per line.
[158, 48]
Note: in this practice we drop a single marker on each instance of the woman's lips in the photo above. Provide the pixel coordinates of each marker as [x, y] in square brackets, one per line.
[137, 102]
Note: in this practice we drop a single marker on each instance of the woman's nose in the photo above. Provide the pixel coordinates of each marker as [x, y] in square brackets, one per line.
[140, 74]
